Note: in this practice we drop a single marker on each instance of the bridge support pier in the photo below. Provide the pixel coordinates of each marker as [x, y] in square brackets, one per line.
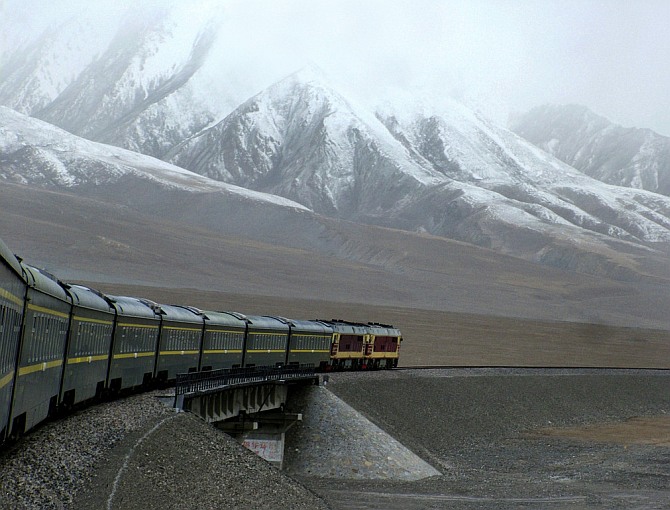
[263, 433]
[248, 405]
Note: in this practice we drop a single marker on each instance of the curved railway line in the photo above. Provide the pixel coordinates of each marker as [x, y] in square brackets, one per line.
[63, 345]
[524, 368]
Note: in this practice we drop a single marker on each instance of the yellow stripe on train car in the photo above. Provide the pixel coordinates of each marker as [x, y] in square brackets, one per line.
[6, 379]
[127, 355]
[95, 321]
[87, 359]
[309, 350]
[178, 353]
[266, 350]
[37, 308]
[40, 367]
[132, 325]
[223, 351]
[11, 297]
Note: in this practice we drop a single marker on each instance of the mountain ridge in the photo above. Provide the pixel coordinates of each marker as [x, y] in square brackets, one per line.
[630, 157]
[435, 168]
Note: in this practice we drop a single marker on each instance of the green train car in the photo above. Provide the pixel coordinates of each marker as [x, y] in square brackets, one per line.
[40, 361]
[309, 343]
[180, 341]
[267, 341]
[133, 352]
[223, 342]
[12, 298]
[88, 345]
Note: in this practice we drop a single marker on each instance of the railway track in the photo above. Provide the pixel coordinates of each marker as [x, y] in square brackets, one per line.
[530, 368]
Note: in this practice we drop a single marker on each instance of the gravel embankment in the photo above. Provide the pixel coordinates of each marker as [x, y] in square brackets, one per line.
[333, 440]
[483, 429]
[136, 453]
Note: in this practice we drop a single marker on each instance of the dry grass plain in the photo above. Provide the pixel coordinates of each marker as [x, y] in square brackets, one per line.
[454, 339]
[654, 430]
[456, 304]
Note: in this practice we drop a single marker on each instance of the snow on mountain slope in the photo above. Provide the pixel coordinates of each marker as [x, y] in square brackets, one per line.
[636, 158]
[156, 88]
[540, 188]
[149, 62]
[302, 140]
[440, 169]
[144, 82]
[37, 153]
[36, 73]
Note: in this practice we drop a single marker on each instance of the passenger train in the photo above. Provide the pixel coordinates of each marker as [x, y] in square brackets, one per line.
[63, 344]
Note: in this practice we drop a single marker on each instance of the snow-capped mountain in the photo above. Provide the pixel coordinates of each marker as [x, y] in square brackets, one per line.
[440, 169]
[512, 179]
[302, 140]
[427, 167]
[36, 153]
[133, 90]
[37, 72]
[637, 158]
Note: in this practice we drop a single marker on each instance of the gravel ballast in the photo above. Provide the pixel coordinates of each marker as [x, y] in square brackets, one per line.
[137, 453]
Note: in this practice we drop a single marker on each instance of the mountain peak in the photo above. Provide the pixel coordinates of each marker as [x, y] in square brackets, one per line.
[311, 73]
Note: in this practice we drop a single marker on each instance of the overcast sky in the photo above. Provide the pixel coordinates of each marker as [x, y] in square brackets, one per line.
[500, 55]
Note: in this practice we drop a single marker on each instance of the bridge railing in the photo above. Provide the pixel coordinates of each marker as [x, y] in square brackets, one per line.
[202, 382]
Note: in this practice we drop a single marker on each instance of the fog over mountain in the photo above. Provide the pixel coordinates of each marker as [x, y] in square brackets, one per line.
[637, 158]
[135, 89]
[409, 163]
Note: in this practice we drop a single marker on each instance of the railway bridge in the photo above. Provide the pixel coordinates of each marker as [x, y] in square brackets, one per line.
[247, 403]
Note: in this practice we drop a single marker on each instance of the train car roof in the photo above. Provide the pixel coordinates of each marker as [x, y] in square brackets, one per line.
[264, 322]
[348, 328]
[181, 314]
[232, 319]
[10, 260]
[133, 307]
[86, 297]
[45, 282]
[383, 329]
[311, 326]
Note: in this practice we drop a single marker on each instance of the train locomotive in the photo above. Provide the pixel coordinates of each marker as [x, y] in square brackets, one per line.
[64, 344]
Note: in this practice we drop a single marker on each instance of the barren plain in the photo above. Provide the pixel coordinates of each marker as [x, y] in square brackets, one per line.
[457, 305]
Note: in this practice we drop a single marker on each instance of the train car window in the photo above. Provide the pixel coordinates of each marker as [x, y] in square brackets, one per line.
[135, 339]
[5, 338]
[33, 346]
